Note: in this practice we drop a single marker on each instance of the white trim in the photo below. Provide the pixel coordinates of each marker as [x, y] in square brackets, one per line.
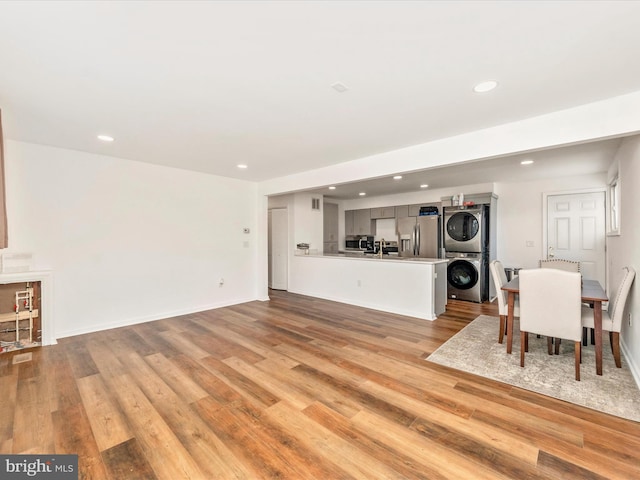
[126, 322]
[46, 293]
[635, 371]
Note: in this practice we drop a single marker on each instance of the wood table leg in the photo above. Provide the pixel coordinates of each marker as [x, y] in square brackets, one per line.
[511, 299]
[597, 320]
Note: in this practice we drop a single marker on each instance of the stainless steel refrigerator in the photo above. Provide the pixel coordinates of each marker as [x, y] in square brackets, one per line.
[419, 236]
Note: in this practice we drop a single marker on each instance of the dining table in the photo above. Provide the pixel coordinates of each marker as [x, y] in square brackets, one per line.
[591, 293]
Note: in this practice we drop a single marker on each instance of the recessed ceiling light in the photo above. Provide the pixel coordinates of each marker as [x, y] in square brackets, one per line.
[242, 166]
[485, 86]
[397, 177]
[424, 185]
[526, 162]
[362, 194]
[106, 138]
[339, 87]
[332, 188]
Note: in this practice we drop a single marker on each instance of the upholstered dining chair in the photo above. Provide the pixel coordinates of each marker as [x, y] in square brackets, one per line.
[499, 279]
[560, 264]
[550, 306]
[612, 317]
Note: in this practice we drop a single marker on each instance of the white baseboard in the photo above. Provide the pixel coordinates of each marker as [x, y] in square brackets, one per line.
[150, 318]
[635, 371]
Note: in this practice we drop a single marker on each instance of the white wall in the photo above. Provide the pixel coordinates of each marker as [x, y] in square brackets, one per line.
[624, 250]
[520, 216]
[129, 241]
[308, 224]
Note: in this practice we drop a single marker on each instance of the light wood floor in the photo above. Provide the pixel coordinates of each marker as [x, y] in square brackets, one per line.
[295, 388]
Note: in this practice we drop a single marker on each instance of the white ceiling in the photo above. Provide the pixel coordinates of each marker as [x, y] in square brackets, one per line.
[584, 159]
[208, 85]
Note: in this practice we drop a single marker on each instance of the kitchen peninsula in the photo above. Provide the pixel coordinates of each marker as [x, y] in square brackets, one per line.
[415, 287]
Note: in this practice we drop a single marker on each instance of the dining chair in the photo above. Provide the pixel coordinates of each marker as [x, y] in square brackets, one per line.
[612, 317]
[499, 277]
[550, 306]
[560, 264]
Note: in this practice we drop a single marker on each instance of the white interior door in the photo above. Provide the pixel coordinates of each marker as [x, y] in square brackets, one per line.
[278, 230]
[576, 231]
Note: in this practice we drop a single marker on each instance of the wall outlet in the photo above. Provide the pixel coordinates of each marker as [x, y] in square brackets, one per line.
[530, 243]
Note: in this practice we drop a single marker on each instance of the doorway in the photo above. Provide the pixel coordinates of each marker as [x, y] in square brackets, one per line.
[576, 231]
[278, 228]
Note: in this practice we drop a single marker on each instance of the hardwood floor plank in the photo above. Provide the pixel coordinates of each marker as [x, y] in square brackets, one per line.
[171, 374]
[162, 448]
[275, 386]
[441, 421]
[73, 435]
[390, 453]
[126, 460]
[351, 459]
[421, 449]
[32, 421]
[208, 452]
[238, 383]
[108, 424]
[555, 467]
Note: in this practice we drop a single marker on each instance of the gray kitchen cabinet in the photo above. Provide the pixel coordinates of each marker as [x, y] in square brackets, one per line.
[348, 222]
[362, 222]
[383, 212]
[358, 222]
[402, 211]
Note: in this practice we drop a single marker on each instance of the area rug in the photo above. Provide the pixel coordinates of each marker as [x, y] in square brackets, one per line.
[475, 349]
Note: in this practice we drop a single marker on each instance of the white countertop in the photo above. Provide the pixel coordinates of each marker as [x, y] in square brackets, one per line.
[375, 258]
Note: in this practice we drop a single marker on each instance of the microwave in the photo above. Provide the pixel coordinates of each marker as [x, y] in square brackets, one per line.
[359, 242]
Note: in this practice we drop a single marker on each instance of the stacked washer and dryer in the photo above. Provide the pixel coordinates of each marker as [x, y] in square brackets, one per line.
[466, 244]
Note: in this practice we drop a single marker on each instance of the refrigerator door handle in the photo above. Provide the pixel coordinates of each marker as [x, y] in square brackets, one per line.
[413, 241]
[417, 227]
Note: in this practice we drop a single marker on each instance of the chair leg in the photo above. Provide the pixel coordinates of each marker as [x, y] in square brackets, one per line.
[593, 336]
[615, 347]
[503, 325]
[557, 346]
[526, 342]
[522, 340]
[585, 335]
[578, 355]
[549, 346]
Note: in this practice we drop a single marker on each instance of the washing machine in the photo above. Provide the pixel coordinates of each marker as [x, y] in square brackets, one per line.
[466, 229]
[468, 276]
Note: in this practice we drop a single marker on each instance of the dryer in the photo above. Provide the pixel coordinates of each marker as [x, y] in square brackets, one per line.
[466, 229]
[468, 276]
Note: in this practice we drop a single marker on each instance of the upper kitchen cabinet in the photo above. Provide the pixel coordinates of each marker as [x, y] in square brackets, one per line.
[402, 211]
[358, 222]
[348, 222]
[414, 210]
[383, 212]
